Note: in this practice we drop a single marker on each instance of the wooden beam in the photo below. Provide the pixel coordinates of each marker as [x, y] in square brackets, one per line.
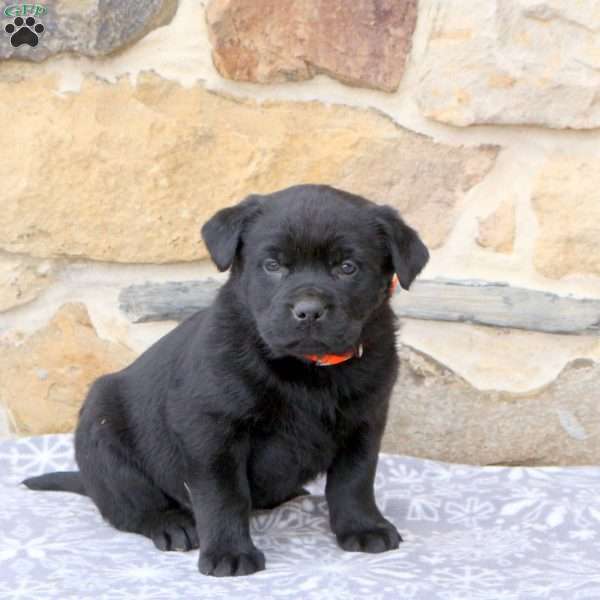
[478, 302]
[171, 301]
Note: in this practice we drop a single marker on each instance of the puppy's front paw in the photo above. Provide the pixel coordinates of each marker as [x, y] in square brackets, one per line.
[231, 564]
[377, 539]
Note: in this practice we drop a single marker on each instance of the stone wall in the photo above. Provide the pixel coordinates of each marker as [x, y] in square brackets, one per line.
[130, 123]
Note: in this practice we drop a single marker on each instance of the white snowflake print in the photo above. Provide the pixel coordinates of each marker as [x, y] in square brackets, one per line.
[470, 533]
[471, 513]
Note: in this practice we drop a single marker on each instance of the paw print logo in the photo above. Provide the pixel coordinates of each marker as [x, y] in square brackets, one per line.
[24, 31]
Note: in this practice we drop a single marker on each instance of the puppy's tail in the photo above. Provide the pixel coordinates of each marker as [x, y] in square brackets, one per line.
[61, 481]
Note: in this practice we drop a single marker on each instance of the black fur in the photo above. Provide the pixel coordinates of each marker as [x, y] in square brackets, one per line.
[61, 481]
[225, 414]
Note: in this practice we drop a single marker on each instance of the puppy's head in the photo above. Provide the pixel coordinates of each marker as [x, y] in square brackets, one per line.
[313, 263]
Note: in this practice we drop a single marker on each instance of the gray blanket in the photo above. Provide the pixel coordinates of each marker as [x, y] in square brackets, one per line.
[471, 533]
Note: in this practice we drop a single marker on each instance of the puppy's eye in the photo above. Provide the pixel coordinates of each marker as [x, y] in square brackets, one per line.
[271, 265]
[348, 267]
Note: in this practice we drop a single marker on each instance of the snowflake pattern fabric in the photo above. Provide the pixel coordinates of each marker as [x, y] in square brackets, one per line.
[471, 533]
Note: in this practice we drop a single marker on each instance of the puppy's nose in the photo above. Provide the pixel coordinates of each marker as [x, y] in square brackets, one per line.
[308, 309]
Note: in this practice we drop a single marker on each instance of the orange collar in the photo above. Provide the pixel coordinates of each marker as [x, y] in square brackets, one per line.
[330, 360]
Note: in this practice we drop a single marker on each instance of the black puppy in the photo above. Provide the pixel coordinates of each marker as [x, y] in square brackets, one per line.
[233, 409]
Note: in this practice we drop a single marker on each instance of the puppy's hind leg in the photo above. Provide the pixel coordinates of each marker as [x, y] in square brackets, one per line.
[125, 495]
[130, 501]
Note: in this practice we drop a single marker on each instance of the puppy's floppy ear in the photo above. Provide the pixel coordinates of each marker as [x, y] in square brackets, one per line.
[222, 232]
[409, 254]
